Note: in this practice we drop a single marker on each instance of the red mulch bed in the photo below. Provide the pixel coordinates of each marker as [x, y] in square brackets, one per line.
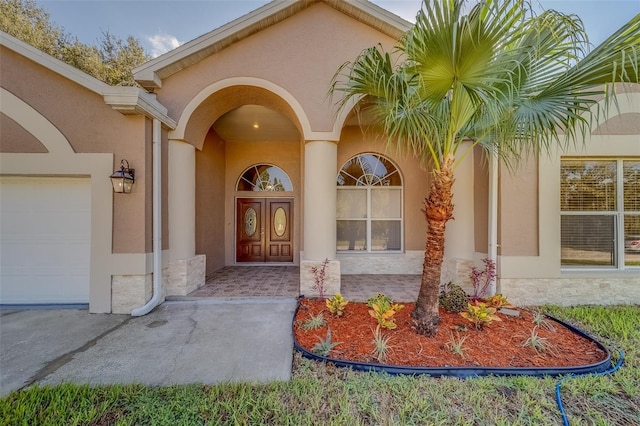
[499, 344]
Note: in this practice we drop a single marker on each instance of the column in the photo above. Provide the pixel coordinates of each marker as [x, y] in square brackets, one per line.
[186, 270]
[320, 159]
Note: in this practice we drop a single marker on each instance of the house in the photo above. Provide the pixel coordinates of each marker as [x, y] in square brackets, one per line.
[240, 158]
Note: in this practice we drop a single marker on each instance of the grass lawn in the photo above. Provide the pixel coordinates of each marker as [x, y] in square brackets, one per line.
[320, 394]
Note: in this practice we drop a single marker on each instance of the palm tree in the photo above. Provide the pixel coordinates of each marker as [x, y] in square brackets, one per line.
[502, 77]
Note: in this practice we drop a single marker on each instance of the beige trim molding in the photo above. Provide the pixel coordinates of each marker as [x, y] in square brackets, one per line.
[179, 131]
[127, 100]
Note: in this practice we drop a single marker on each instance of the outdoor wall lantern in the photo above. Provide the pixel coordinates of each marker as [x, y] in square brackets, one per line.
[122, 180]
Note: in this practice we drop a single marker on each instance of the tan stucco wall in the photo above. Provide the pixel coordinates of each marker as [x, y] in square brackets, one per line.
[300, 54]
[90, 126]
[539, 278]
[480, 201]
[621, 124]
[518, 210]
[210, 202]
[414, 177]
[57, 126]
[16, 139]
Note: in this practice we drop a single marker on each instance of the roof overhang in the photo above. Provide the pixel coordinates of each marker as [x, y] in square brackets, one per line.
[150, 74]
[125, 99]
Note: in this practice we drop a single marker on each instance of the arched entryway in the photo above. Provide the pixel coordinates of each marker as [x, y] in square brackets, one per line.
[250, 131]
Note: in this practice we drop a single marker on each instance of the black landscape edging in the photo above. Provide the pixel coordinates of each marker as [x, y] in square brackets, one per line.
[466, 372]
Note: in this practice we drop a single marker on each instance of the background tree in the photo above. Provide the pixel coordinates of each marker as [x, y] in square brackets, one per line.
[111, 61]
[501, 77]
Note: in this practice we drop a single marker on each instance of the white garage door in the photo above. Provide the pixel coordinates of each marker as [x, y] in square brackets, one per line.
[45, 240]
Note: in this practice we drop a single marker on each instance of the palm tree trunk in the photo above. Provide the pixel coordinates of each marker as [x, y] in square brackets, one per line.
[438, 209]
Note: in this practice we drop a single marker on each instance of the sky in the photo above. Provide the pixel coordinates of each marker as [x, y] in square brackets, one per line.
[162, 25]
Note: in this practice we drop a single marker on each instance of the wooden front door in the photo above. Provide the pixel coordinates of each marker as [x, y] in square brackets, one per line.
[264, 230]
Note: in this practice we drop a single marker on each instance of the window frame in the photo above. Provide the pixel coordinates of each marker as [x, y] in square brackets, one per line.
[618, 213]
[368, 219]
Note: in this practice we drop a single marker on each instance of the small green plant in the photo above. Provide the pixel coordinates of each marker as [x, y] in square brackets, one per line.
[382, 309]
[537, 343]
[313, 322]
[455, 345]
[540, 320]
[480, 314]
[499, 301]
[381, 346]
[324, 346]
[453, 298]
[336, 305]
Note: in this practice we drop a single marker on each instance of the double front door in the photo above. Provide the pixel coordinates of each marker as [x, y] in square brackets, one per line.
[264, 230]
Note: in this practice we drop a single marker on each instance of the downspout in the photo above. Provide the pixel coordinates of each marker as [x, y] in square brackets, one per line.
[157, 223]
[493, 218]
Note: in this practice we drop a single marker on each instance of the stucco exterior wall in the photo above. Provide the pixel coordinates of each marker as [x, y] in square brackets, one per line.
[518, 207]
[210, 202]
[538, 278]
[480, 201]
[90, 126]
[16, 139]
[312, 43]
[58, 123]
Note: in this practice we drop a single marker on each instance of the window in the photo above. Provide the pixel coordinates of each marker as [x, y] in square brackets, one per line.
[369, 205]
[264, 177]
[600, 213]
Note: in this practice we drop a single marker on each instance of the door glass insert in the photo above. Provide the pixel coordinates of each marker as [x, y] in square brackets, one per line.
[250, 222]
[264, 177]
[280, 221]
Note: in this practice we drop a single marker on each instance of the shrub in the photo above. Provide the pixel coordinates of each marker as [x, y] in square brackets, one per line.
[482, 279]
[382, 309]
[319, 276]
[336, 305]
[499, 301]
[480, 314]
[453, 298]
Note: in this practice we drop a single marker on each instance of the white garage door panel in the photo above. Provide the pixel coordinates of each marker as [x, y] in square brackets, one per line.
[45, 237]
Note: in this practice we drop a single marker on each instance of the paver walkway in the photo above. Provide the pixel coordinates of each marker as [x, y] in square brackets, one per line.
[284, 281]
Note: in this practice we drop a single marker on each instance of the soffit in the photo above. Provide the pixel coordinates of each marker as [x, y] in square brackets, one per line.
[255, 123]
[151, 74]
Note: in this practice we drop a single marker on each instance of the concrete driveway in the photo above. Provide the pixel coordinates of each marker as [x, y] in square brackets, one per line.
[206, 341]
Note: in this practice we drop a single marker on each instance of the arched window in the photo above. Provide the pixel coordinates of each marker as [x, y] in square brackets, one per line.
[264, 177]
[369, 205]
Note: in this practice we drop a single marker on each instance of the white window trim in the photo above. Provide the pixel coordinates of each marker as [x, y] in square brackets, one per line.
[368, 219]
[619, 213]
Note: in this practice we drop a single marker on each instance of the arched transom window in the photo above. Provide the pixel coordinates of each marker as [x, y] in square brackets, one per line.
[264, 177]
[369, 205]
